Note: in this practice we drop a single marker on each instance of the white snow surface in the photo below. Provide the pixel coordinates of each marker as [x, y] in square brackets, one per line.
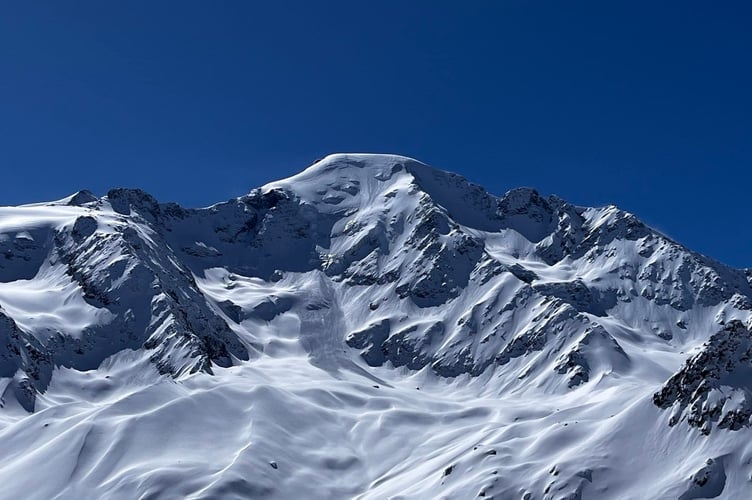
[369, 328]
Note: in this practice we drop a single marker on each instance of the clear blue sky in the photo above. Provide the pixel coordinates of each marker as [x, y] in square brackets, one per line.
[647, 105]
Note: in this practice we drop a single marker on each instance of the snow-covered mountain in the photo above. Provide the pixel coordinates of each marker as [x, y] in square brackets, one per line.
[373, 328]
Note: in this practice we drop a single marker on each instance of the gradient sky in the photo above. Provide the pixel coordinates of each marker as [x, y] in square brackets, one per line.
[646, 105]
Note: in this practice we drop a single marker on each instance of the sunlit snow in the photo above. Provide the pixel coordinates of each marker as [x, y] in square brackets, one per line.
[369, 328]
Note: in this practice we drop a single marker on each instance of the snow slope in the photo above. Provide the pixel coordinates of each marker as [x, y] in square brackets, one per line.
[369, 328]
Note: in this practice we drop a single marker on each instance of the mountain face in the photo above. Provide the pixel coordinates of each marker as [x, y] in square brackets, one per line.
[371, 327]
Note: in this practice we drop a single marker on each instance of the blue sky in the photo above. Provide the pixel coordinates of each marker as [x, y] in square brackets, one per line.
[646, 105]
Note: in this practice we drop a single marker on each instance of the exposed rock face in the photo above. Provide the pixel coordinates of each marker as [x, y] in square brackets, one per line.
[138, 295]
[713, 387]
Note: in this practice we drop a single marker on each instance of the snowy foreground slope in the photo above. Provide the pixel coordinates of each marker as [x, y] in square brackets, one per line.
[369, 328]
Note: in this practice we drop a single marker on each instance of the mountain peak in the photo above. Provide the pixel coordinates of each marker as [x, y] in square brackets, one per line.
[81, 198]
[352, 164]
[341, 292]
[363, 159]
[347, 181]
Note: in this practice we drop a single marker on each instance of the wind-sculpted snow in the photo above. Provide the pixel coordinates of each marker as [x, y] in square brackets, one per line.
[370, 327]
